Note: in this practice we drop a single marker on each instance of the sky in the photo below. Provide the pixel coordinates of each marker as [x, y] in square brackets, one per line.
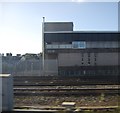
[21, 22]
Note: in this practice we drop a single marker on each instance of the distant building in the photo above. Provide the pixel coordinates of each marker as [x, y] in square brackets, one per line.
[18, 55]
[25, 65]
[79, 53]
[8, 54]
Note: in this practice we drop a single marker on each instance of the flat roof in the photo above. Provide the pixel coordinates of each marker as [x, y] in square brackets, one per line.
[57, 22]
[81, 32]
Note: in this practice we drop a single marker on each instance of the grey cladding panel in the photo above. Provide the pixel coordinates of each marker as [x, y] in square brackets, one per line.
[69, 37]
[58, 26]
[75, 59]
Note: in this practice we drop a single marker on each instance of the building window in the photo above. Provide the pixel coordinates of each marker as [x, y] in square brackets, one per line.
[79, 44]
[88, 62]
[82, 59]
[82, 63]
[88, 58]
[95, 59]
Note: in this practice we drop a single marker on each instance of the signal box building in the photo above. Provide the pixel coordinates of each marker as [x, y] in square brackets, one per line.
[79, 53]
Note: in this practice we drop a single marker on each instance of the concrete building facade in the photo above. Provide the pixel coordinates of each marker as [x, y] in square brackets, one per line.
[79, 53]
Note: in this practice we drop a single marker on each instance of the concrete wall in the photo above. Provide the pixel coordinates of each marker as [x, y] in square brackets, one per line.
[22, 67]
[79, 59]
[107, 59]
[69, 59]
[51, 67]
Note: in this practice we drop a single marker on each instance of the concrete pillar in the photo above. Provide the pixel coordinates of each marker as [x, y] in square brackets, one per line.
[6, 92]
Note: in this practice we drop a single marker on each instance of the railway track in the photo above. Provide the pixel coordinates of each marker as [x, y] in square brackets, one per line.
[65, 81]
[57, 86]
[66, 87]
[60, 83]
[66, 90]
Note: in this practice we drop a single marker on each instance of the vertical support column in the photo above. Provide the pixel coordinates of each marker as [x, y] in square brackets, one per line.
[119, 16]
[0, 83]
[43, 47]
[118, 42]
[7, 92]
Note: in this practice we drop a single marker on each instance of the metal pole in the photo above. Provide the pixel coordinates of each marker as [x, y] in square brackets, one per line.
[1, 97]
[43, 46]
[32, 68]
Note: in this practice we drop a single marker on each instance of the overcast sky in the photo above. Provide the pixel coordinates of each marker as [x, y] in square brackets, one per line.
[20, 22]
